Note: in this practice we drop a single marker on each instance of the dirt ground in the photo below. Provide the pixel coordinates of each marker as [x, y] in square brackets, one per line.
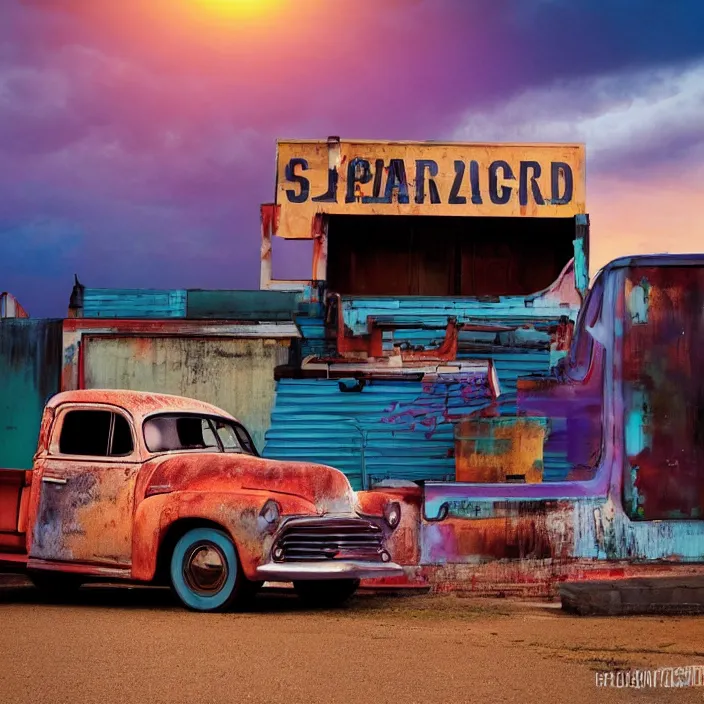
[137, 645]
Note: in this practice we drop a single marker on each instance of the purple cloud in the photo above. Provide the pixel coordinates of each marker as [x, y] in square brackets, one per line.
[136, 150]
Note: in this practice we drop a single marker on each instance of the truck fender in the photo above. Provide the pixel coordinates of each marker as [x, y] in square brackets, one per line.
[236, 513]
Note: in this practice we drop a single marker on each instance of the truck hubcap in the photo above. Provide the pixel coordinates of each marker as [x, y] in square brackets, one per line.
[205, 568]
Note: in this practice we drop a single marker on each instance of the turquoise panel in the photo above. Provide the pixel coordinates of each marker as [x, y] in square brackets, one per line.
[241, 305]
[30, 372]
[133, 303]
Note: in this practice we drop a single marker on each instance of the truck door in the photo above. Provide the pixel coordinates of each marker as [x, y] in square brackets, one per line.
[87, 482]
[661, 311]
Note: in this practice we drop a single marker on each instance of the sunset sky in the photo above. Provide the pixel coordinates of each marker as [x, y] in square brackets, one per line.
[137, 137]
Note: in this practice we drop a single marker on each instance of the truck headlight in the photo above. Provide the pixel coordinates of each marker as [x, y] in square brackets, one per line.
[392, 514]
[271, 512]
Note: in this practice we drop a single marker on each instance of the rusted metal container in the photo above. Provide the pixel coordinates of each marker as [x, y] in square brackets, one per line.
[490, 450]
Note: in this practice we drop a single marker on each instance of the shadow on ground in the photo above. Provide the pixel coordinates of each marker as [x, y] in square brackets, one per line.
[269, 601]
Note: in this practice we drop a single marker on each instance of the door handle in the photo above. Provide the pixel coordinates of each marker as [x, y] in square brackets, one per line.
[54, 480]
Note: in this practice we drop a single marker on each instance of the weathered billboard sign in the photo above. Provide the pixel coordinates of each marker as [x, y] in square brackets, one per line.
[425, 178]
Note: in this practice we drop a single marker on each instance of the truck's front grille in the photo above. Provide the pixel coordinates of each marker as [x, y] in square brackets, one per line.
[328, 539]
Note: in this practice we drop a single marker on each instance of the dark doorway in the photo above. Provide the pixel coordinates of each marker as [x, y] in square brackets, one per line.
[446, 256]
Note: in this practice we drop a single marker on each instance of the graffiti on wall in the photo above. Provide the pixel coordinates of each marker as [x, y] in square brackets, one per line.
[442, 400]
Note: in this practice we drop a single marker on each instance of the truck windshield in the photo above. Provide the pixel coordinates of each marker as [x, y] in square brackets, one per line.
[169, 433]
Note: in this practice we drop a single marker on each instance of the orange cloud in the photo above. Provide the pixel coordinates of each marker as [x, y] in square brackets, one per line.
[659, 214]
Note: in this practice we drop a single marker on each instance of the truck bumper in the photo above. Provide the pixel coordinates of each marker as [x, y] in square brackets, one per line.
[332, 569]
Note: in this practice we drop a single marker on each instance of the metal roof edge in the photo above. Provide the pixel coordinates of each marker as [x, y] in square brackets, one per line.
[430, 142]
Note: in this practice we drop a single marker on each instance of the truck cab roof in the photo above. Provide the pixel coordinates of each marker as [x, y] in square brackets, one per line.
[657, 260]
[138, 403]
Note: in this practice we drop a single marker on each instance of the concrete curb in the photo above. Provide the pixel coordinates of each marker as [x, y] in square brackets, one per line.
[657, 595]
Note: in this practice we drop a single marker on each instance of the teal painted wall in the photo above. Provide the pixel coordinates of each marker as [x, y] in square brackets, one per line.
[30, 373]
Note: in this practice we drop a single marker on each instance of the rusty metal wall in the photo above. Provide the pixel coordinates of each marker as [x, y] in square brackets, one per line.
[663, 387]
[234, 374]
[30, 373]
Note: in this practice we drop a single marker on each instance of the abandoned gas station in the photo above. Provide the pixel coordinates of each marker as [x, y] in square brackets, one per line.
[445, 285]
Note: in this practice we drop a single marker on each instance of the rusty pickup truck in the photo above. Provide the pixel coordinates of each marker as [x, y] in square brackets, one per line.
[157, 489]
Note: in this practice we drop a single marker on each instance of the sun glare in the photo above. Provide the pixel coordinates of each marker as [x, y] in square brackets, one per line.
[238, 8]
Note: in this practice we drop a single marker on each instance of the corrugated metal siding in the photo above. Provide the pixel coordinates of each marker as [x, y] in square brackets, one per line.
[240, 305]
[434, 311]
[431, 327]
[193, 303]
[313, 337]
[517, 353]
[234, 374]
[310, 319]
[30, 372]
[391, 429]
[133, 303]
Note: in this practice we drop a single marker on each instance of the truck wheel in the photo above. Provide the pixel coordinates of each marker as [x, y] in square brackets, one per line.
[330, 592]
[56, 584]
[206, 573]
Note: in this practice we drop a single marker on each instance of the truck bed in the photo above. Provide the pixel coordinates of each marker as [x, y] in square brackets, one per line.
[13, 509]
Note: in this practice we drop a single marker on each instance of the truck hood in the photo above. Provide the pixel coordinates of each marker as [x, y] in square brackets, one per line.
[326, 488]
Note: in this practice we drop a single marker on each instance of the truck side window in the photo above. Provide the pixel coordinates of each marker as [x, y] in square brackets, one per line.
[95, 434]
[121, 437]
[85, 433]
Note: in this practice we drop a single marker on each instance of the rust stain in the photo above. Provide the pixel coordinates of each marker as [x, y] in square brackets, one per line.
[497, 450]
